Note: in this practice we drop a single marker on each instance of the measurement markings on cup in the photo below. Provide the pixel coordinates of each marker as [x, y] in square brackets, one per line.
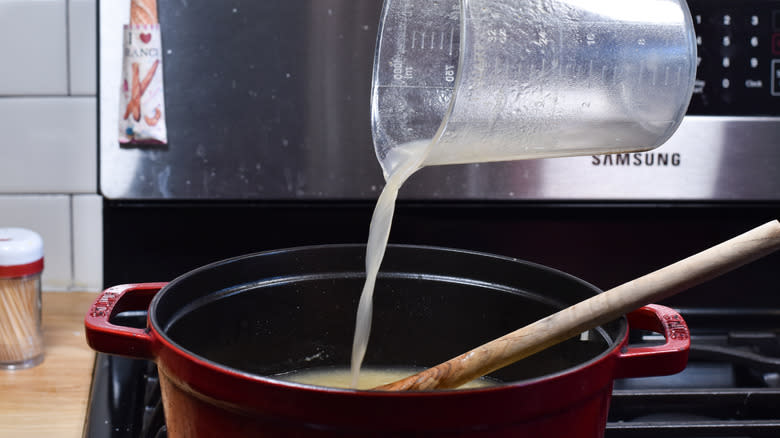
[426, 40]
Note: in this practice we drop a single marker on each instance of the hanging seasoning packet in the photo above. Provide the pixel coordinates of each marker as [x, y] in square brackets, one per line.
[142, 97]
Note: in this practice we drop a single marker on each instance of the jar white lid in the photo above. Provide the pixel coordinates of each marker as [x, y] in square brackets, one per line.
[19, 246]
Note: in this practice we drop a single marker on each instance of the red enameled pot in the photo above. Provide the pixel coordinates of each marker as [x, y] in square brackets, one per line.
[217, 332]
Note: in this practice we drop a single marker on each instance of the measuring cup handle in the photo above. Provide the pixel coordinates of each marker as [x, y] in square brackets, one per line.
[660, 360]
[105, 337]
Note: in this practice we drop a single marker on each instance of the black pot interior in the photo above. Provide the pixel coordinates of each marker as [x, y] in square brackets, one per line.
[281, 311]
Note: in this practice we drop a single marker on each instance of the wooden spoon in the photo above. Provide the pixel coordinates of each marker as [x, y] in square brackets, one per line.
[595, 311]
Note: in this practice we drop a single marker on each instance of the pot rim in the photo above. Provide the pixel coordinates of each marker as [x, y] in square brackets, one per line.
[163, 338]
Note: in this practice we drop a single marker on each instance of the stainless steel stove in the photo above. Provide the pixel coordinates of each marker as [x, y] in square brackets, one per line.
[270, 147]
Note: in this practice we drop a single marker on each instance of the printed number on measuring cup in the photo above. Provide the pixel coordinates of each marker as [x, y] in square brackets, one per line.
[449, 73]
[496, 35]
[401, 72]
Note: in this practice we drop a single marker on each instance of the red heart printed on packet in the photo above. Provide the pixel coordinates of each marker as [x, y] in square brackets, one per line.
[146, 37]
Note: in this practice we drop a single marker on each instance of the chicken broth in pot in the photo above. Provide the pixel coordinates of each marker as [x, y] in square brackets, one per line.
[370, 377]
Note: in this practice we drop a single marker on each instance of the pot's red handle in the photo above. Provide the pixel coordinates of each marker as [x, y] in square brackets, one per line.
[661, 360]
[106, 337]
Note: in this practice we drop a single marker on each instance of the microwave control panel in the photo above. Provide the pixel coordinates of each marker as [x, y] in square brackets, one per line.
[738, 46]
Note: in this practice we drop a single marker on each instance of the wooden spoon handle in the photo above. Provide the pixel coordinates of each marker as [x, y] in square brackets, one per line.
[595, 311]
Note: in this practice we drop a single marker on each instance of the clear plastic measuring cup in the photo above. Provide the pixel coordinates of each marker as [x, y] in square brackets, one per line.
[493, 80]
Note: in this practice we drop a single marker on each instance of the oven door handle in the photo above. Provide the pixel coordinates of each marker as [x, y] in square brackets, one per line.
[106, 337]
[660, 360]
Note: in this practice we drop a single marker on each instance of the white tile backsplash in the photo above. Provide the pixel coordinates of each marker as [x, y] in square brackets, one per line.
[87, 242]
[82, 34]
[48, 145]
[33, 38]
[48, 216]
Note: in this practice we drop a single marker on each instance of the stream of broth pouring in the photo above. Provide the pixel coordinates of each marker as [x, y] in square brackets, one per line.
[409, 159]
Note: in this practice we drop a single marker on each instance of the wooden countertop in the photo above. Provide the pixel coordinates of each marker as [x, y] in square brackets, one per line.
[50, 400]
